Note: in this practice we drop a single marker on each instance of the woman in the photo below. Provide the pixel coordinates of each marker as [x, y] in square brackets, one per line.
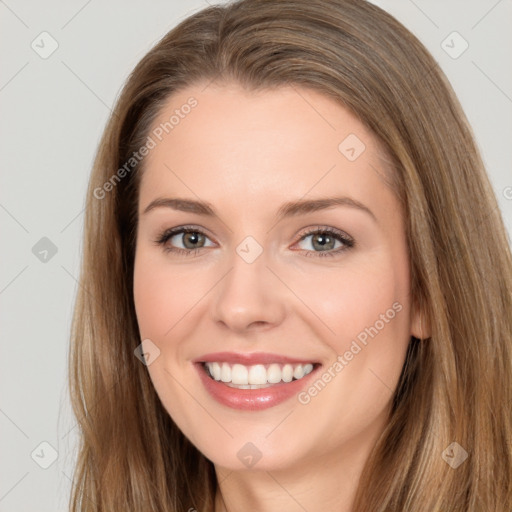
[296, 283]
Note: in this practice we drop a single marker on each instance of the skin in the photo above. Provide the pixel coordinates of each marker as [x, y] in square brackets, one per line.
[247, 153]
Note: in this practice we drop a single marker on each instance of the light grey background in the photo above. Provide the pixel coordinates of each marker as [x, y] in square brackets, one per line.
[53, 113]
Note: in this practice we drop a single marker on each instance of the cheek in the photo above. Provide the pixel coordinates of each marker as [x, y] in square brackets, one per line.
[355, 298]
[162, 295]
[368, 309]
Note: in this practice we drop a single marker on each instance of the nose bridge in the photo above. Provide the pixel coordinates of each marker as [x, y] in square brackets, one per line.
[249, 293]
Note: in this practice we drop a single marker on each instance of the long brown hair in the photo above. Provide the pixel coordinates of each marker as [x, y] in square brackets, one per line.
[456, 385]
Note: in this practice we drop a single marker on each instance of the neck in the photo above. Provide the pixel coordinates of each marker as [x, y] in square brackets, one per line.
[323, 482]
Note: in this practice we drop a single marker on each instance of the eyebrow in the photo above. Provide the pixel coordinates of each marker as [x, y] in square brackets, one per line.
[290, 209]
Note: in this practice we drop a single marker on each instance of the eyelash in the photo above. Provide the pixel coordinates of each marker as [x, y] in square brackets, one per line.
[339, 235]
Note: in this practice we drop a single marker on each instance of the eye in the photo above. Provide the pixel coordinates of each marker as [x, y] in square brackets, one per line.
[323, 241]
[192, 239]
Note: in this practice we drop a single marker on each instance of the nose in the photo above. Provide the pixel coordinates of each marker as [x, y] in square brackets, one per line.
[250, 297]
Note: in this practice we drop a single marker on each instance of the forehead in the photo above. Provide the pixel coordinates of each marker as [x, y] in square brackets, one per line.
[288, 141]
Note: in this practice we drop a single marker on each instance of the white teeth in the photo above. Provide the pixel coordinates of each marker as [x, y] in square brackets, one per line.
[298, 372]
[225, 373]
[239, 374]
[287, 373]
[215, 370]
[256, 376]
[274, 374]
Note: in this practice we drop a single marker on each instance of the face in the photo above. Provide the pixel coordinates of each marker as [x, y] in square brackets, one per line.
[271, 278]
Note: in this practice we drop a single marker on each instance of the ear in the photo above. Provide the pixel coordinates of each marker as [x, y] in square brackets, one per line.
[420, 323]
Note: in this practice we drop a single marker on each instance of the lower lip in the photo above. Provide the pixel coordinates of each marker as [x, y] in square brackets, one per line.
[252, 399]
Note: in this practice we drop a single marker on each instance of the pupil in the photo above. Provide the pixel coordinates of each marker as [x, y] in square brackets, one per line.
[322, 241]
[195, 239]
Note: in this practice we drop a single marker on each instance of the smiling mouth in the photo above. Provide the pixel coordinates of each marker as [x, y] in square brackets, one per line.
[256, 376]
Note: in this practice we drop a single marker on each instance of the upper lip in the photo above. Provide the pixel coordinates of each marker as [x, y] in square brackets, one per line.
[249, 359]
